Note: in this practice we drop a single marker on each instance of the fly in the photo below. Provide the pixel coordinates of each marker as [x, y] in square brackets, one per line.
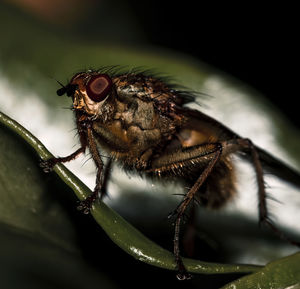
[144, 125]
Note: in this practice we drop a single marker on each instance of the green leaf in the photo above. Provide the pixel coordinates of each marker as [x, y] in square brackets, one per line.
[282, 273]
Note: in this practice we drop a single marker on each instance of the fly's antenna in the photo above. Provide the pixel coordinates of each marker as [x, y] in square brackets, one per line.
[69, 89]
[59, 83]
[62, 90]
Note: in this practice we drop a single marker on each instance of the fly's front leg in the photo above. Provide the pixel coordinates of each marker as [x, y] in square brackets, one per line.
[86, 204]
[106, 176]
[48, 165]
[208, 154]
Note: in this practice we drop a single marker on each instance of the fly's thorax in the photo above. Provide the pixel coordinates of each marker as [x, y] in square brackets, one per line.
[149, 103]
[132, 126]
[135, 131]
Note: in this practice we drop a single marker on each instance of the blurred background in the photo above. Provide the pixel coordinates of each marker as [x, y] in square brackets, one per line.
[252, 42]
[244, 56]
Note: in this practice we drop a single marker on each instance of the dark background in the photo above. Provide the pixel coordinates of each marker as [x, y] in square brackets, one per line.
[256, 44]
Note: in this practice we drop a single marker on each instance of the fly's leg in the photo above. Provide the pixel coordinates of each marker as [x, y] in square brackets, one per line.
[182, 273]
[262, 205]
[106, 176]
[208, 154]
[263, 212]
[190, 232]
[49, 164]
[86, 204]
[87, 140]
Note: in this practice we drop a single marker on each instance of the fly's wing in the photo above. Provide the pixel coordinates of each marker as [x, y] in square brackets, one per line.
[199, 121]
[211, 129]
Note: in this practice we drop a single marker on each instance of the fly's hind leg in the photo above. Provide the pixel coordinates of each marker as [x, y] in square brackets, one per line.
[207, 154]
[263, 212]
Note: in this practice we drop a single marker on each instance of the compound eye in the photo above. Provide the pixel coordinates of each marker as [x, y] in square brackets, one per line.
[98, 87]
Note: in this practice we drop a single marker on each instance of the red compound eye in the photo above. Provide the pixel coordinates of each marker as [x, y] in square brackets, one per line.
[98, 87]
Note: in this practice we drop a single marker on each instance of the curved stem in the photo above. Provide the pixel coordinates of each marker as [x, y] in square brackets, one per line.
[121, 232]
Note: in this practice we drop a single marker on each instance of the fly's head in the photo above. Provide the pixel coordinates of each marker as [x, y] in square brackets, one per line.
[91, 93]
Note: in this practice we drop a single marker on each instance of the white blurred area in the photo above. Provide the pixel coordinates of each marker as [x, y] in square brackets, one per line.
[240, 113]
[55, 128]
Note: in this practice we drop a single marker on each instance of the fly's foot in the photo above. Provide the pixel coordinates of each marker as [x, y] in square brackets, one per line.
[48, 165]
[182, 273]
[86, 205]
[267, 222]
